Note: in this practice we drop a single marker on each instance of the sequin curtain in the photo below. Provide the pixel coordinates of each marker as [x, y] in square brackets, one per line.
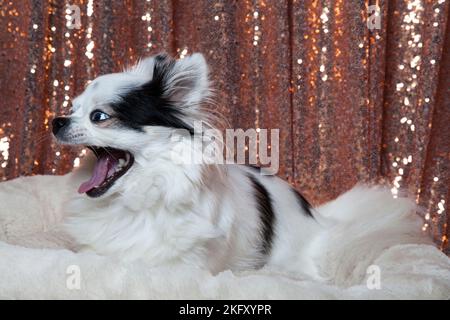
[358, 89]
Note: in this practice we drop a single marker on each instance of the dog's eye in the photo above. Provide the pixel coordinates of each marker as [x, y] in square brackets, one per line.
[99, 116]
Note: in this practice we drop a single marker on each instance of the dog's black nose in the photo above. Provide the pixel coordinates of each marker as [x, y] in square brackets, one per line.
[59, 123]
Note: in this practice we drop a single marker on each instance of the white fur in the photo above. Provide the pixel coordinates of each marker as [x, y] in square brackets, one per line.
[206, 215]
[36, 263]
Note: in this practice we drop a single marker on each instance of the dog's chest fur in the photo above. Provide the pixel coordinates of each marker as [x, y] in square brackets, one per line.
[168, 217]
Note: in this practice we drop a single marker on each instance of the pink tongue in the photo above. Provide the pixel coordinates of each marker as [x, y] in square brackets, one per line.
[98, 176]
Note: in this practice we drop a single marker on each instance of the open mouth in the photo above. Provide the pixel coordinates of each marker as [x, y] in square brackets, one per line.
[111, 165]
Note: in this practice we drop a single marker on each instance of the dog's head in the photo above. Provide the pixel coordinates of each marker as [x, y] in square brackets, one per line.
[120, 115]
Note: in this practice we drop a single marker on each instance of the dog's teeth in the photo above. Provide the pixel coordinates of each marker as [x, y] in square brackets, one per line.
[121, 162]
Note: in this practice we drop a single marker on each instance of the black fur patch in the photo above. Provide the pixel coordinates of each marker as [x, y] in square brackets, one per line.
[304, 204]
[147, 105]
[267, 215]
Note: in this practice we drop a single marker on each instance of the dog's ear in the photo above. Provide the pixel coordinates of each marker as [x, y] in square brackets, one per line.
[185, 80]
[143, 68]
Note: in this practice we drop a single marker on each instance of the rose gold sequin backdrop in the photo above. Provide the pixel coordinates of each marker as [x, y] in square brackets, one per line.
[352, 103]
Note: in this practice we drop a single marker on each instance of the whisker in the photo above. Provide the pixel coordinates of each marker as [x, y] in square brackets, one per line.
[41, 139]
[109, 152]
[94, 151]
[42, 135]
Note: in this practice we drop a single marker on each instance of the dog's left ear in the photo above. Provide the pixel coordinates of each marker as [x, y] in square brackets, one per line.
[185, 80]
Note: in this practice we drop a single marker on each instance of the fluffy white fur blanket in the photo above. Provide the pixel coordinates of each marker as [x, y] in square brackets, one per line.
[37, 261]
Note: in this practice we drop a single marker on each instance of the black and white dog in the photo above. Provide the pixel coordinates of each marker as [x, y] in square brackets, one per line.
[140, 203]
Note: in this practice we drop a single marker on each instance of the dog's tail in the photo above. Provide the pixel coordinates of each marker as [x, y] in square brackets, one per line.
[360, 224]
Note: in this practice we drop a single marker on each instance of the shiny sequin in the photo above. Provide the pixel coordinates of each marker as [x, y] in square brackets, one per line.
[352, 103]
